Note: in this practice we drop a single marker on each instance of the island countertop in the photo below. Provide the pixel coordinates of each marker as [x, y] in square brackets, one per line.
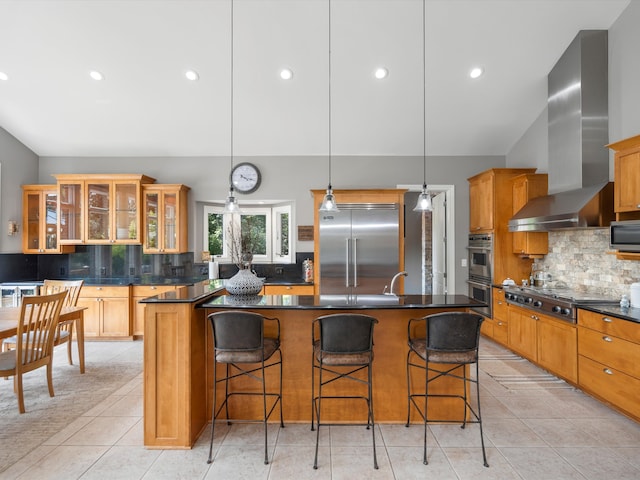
[340, 302]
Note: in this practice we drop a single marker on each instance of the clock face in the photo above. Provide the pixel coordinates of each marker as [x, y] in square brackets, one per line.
[245, 178]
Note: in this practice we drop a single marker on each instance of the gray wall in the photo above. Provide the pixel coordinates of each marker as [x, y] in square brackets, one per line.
[624, 97]
[292, 178]
[18, 166]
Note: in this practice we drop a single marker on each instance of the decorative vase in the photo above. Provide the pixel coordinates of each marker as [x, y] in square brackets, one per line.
[245, 282]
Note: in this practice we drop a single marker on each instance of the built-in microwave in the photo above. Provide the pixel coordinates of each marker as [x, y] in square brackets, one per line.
[625, 236]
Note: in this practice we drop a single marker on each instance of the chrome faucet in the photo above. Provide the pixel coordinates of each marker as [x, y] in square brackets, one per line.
[393, 282]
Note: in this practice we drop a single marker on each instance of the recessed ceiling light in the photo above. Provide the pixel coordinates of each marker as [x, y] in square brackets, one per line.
[476, 72]
[191, 75]
[4, 76]
[96, 75]
[286, 74]
[381, 73]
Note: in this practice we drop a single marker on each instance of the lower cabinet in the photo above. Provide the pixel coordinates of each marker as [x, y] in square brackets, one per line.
[545, 340]
[140, 292]
[108, 313]
[609, 360]
[498, 326]
[287, 290]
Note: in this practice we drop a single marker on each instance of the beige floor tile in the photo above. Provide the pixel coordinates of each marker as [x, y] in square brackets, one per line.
[355, 463]
[352, 435]
[614, 431]
[300, 434]
[407, 463]
[134, 436]
[125, 462]
[297, 462]
[540, 463]
[468, 464]
[400, 435]
[599, 463]
[102, 431]
[180, 464]
[510, 432]
[68, 431]
[250, 433]
[558, 432]
[126, 406]
[451, 435]
[65, 462]
[30, 458]
[237, 462]
[102, 406]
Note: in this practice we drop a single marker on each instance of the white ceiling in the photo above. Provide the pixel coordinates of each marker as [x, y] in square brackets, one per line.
[146, 107]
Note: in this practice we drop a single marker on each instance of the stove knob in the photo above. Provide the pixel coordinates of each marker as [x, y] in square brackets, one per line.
[520, 299]
[556, 309]
[566, 311]
[528, 300]
[537, 304]
[508, 296]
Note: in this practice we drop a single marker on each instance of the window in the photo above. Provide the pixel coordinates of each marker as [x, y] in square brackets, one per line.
[263, 231]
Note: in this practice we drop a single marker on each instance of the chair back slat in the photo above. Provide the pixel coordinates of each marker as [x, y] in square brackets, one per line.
[38, 320]
[72, 287]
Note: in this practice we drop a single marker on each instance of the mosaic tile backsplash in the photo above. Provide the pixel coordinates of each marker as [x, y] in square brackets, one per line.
[582, 259]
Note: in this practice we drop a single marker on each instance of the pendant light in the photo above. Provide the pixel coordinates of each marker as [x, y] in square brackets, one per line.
[329, 202]
[424, 199]
[231, 205]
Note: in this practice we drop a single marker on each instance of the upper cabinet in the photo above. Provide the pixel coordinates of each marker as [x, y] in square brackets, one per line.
[627, 178]
[100, 209]
[165, 218]
[526, 187]
[40, 220]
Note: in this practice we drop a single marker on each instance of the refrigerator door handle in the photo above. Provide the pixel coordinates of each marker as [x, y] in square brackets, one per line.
[346, 263]
[355, 262]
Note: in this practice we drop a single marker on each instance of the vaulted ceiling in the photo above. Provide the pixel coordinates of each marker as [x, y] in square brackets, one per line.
[145, 106]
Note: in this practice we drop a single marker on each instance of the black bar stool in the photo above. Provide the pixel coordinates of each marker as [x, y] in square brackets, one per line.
[451, 343]
[238, 340]
[342, 347]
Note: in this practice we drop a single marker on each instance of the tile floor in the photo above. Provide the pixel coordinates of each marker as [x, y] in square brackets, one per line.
[535, 428]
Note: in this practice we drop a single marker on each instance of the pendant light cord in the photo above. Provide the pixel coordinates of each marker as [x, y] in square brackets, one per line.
[231, 157]
[424, 97]
[329, 22]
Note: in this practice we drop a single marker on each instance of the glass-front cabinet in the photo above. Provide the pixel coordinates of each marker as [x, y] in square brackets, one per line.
[101, 209]
[40, 220]
[165, 218]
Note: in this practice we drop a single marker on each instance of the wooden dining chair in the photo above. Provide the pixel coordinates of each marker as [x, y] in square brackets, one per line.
[34, 341]
[64, 332]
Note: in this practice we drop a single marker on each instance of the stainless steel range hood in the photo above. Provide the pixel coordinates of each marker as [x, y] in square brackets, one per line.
[582, 195]
[583, 207]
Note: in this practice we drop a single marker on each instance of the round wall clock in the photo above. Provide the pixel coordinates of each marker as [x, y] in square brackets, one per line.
[245, 177]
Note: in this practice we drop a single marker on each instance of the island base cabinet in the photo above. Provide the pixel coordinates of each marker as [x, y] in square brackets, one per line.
[610, 385]
[175, 372]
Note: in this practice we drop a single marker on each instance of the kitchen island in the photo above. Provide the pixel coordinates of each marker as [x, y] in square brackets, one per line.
[178, 355]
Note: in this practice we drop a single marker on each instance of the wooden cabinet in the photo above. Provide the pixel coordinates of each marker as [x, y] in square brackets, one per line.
[523, 326]
[627, 178]
[40, 220]
[481, 201]
[165, 218]
[525, 187]
[500, 320]
[609, 360]
[545, 340]
[490, 208]
[287, 290]
[100, 209]
[140, 292]
[557, 343]
[108, 313]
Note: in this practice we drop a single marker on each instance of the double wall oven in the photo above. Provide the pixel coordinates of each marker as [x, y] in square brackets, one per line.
[480, 249]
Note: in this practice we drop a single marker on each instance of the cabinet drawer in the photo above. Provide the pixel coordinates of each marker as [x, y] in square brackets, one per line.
[288, 290]
[105, 292]
[609, 350]
[501, 331]
[609, 384]
[499, 304]
[151, 290]
[610, 325]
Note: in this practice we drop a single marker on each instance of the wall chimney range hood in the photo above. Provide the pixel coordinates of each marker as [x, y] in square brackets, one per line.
[582, 195]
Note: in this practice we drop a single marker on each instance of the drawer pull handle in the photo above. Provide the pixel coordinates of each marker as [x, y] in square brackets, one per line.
[153, 288]
[607, 371]
[499, 324]
[607, 339]
[607, 319]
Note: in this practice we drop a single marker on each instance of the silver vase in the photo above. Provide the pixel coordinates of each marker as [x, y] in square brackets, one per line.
[245, 282]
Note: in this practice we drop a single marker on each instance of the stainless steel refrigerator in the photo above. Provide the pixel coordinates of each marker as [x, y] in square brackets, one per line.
[359, 248]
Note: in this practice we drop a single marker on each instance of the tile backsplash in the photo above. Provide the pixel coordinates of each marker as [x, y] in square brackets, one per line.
[582, 259]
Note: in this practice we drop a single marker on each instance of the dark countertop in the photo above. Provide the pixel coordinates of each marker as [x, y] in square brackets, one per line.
[340, 302]
[194, 293]
[630, 314]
